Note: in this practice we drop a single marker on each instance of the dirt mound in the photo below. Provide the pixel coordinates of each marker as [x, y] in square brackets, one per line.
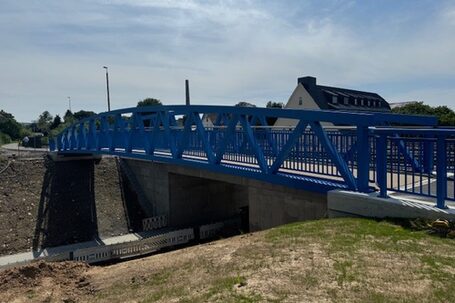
[43, 281]
[20, 189]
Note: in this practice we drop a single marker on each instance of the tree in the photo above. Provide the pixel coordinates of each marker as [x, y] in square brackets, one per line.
[82, 114]
[57, 121]
[272, 104]
[44, 122]
[445, 115]
[414, 108]
[68, 117]
[245, 104]
[9, 125]
[149, 102]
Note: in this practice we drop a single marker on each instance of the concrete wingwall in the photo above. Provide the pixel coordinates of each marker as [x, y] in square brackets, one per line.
[190, 196]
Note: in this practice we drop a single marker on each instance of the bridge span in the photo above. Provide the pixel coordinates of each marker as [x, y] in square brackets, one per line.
[327, 150]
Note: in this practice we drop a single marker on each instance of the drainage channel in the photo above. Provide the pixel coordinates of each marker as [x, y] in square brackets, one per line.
[120, 247]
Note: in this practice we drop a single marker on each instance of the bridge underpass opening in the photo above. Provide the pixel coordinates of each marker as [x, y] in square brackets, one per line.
[191, 196]
[195, 201]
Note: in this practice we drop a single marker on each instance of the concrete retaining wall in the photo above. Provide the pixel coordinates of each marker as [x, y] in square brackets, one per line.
[276, 205]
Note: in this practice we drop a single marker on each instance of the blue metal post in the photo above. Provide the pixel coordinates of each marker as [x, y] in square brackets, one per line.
[91, 140]
[66, 142]
[52, 144]
[73, 138]
[59, 142]
[363, 158]
[441, 171]
[381, 164]
[428, 155]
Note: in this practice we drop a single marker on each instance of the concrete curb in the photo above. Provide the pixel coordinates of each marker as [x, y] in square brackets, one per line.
[346, 203]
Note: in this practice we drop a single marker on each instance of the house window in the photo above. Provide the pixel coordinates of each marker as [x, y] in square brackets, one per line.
[356, 102]
[369, 103]
[346, 100]
[334, 100]
[300, 101]
[362, 103]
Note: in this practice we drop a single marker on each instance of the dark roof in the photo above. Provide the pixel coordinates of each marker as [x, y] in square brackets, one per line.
[324, 97]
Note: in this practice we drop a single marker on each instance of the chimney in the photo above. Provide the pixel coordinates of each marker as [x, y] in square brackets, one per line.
[187, 92]
[307, 81]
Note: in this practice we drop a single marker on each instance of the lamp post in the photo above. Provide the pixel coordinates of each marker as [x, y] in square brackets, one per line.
[69, 103]
[107, 87]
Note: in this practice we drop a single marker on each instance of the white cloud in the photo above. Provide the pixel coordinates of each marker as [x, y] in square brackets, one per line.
[230, 51]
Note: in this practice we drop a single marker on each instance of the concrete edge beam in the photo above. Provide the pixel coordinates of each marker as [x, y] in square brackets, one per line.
[342, 203]
[57, 157]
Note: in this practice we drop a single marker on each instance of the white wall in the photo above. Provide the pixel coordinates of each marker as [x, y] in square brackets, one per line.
[293, 103]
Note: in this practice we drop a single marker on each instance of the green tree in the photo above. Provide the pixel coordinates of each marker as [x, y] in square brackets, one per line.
[414, 108]
[68, 117]
[245, 104]
[4, 138]
[445, 115]
[149, 102]
[82, 114]
[57, 121]
[44, 122]
[272, 104]
[9, 126]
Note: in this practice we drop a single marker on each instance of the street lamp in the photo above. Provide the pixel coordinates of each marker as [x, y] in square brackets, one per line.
[107, 86]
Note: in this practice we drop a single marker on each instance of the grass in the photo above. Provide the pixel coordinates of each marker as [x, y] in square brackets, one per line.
[338, 260]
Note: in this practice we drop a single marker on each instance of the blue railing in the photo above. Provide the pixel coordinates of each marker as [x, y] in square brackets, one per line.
[416, 161]
[356, 156]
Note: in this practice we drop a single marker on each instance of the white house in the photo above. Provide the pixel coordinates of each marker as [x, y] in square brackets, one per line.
[309, 95]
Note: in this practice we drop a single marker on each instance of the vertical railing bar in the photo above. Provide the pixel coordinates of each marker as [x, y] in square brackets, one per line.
[381, 165]
[441, 168]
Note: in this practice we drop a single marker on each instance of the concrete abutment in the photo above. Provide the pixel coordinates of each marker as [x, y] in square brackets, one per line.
[190, 196]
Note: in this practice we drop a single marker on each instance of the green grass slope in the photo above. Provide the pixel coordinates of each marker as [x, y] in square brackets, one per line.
[331, 260]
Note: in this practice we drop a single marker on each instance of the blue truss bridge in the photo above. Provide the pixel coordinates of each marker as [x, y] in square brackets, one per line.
[323, 150]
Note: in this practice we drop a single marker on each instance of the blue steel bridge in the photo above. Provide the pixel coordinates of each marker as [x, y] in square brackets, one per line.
[325, 150]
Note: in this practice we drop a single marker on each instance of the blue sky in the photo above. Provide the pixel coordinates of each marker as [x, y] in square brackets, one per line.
[230, 50]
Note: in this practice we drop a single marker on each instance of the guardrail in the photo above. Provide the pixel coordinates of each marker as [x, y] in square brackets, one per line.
[308, 155]
[416, 161]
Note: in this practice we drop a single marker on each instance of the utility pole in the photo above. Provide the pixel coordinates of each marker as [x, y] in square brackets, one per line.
[107, 87]
[187, 92]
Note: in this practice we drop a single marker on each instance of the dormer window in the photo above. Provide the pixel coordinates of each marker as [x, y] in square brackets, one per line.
[334, 100]
[300, 101]
[369, 103]
[346, 101]
[362, 102]
[356, 102]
